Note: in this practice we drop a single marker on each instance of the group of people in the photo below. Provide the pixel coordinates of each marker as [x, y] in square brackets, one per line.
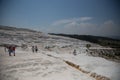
[11, 49]
[34, 49]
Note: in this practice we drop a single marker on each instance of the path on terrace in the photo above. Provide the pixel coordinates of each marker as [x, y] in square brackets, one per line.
[36, 66]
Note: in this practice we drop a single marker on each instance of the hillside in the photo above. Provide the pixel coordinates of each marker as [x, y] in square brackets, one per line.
[103, 41]
[18, 36]
[55, 59]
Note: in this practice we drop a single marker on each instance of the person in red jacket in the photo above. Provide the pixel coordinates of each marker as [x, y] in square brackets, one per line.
[11, 49]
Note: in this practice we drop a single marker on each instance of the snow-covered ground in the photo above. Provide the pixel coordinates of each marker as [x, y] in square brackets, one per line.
[49, 63]
[36, 66]
[91, 64]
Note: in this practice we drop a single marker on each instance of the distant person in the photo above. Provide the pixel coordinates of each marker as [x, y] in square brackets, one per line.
[33, 49]
[11, 49]
[74, 52]
[36, 49]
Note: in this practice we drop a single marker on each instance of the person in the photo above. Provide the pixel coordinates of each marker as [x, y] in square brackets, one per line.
[36, 48]
[13, 49]
[10, 50]
[74, 52]
[33, 49]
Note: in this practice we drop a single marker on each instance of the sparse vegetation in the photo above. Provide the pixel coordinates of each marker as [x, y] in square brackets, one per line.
[24, 46]
[103, 41]
[113, 54]
[88, 46]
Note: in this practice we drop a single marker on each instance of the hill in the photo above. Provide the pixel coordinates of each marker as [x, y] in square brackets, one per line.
[103, 41]
[18, 36]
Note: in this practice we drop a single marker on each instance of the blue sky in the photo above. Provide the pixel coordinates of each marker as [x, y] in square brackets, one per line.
[93, 17]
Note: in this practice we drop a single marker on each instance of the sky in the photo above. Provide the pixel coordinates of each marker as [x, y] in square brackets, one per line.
[84, 17]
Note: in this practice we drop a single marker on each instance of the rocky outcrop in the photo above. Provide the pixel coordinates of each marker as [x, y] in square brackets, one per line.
[110, 54]
[93, 75]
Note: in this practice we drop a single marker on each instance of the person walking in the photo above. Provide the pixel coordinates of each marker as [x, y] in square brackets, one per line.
[13, 49]
[36, 49]
[10, 50]
[74, 52]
